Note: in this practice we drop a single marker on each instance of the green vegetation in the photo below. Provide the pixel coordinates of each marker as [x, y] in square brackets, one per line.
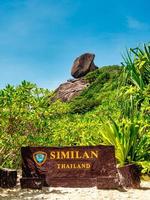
[103, 82]
[114, 110]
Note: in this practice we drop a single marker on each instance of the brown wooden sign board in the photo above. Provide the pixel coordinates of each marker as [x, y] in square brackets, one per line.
[82, 166]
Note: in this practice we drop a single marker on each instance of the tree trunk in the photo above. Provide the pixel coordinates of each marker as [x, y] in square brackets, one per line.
[8, 178]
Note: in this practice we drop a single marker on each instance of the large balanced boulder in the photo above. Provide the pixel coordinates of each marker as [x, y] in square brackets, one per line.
[83, 65]
[66, 91]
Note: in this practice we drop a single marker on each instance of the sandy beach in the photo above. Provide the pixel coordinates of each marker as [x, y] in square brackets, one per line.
[76, 193]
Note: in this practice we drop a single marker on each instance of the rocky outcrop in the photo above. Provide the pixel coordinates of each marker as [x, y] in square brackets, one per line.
[83, 65]
[70, 89]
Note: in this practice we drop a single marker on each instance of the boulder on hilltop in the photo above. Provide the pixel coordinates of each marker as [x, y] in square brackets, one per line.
[83, 65]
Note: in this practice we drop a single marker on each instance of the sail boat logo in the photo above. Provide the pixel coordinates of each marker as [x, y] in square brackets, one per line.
[40, 157]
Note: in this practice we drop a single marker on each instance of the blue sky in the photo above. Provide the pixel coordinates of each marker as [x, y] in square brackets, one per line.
[39, 39]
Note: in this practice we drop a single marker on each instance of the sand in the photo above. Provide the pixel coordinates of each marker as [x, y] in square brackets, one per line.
[59, 193]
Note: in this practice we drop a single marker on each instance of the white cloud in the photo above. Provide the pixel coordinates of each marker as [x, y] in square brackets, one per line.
[136, 24]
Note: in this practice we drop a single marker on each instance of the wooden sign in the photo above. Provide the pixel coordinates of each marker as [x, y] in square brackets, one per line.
[83, 166]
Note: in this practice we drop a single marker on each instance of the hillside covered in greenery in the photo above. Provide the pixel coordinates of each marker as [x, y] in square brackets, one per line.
[114, 109]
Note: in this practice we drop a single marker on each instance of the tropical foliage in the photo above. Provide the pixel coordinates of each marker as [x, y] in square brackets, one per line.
[114, 110]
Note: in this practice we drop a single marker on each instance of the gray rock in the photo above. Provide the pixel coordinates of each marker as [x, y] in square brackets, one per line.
[70, 89]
